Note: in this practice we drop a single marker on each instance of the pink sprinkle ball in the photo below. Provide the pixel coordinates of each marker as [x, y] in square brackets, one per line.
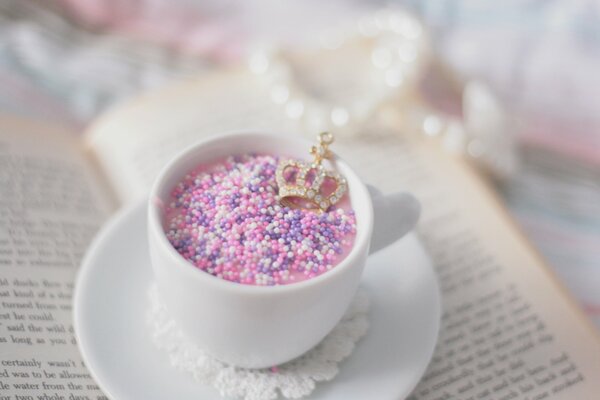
[225, 218]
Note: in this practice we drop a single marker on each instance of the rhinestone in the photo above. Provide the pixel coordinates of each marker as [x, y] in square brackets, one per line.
[299, 187]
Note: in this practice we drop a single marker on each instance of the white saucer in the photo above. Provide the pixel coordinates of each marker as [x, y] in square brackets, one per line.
[110, 309]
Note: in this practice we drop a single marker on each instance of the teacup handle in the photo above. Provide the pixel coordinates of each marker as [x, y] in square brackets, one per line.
[394, 215]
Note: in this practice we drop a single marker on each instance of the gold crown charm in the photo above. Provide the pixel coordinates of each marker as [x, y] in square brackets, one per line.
[304, 186]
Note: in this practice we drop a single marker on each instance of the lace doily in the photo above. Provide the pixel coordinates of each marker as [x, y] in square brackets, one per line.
[292, 380]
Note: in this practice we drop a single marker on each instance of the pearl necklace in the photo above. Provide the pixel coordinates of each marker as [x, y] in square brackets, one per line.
[397, 46]
[399, 51]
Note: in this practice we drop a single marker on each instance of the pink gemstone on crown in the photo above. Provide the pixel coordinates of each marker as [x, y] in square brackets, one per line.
[306, 191]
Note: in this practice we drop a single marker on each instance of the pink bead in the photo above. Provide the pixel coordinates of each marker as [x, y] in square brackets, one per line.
[233, 203]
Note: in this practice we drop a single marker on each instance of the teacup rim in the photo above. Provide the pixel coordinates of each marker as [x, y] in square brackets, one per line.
[361, 240]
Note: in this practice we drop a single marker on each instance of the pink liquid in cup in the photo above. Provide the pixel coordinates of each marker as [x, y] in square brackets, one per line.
[225, 218]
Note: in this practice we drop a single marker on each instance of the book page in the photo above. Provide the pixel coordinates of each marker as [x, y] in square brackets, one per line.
[51, 205]
[135, 140]
[509, 331]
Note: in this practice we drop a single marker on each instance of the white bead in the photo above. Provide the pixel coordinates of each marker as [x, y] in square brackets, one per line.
[294, 109]
[280, 94]
[339, 116]
[381, 57]
[432, 125]
[394, 77]
[411, 29]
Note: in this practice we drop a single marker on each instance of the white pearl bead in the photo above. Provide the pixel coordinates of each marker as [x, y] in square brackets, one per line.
[396, 23]
[294, 109]
[339, 116]
[381, 57]
[259, 63]
[411, 29]
[394, 77]
[432, 125]
[280, 94]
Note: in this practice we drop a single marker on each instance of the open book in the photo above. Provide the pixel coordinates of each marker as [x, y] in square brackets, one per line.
[509, 330]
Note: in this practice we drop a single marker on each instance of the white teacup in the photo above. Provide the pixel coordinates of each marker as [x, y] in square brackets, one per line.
[262, 326]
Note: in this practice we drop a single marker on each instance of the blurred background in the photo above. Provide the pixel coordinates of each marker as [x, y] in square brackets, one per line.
[66, 61]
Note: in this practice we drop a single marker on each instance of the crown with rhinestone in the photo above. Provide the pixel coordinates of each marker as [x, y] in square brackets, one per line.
[304, 187]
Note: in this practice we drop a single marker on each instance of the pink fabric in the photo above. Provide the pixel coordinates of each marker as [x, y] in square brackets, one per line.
[549, 78]
[575, 139]
[174, 24]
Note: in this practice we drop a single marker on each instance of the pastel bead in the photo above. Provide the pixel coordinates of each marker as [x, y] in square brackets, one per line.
[225, 219]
